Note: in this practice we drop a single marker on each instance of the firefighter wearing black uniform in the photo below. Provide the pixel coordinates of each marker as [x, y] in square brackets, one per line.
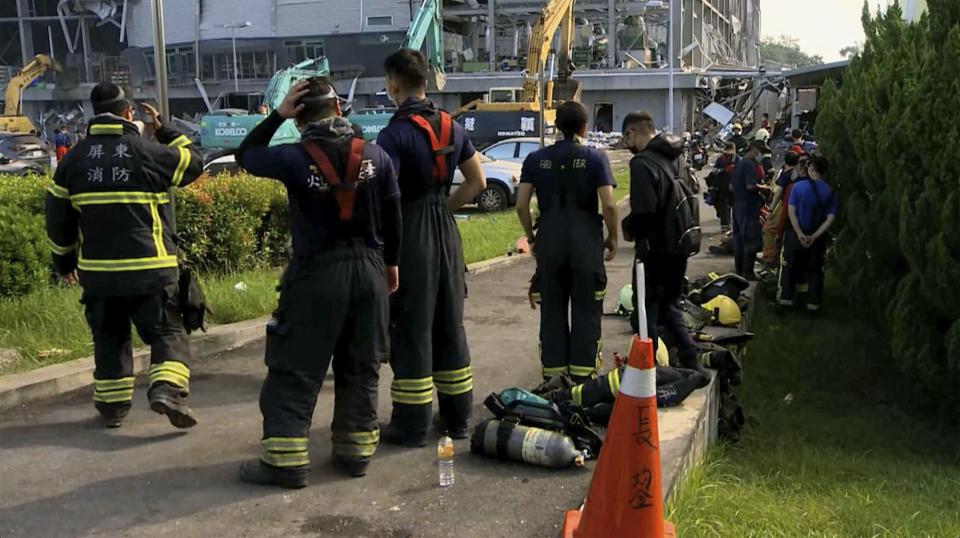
[345, 221]
[570, 278]
[652, 171]
[110, 219]
[428, 343]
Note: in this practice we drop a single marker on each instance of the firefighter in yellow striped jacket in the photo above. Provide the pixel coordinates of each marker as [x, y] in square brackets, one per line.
[110, 222]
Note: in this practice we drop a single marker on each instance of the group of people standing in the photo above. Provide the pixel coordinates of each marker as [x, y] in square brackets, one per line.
[785, 214]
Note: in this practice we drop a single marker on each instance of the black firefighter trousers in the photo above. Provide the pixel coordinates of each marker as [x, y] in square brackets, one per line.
[428, 341]
[801, 270]
[663, 279]
[159, 324]
[572, 282]
[332, 306]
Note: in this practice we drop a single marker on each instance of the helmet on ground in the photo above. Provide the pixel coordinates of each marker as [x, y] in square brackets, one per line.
[714, 284]
[663, 354]
[725, 310]
[625, 302]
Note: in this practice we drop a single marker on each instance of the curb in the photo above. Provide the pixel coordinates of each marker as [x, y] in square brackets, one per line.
[50, 381]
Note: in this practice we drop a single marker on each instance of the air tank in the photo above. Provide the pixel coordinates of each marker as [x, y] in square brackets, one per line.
[509, 441]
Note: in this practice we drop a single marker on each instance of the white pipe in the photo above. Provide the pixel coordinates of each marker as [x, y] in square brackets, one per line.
[640, 292]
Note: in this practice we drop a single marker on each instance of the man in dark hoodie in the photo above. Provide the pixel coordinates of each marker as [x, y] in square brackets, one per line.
[345, 221]
[652, 170]
[428, 343]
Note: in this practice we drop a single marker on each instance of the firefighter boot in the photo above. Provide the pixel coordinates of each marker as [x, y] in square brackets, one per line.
[352, 466]
[112, 415]
[170, 400]
[263, 474]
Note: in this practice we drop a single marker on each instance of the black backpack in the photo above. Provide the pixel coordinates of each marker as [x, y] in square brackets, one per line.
[681, 221]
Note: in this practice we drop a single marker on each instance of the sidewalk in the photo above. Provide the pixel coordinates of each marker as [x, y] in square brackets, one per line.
[63, 475]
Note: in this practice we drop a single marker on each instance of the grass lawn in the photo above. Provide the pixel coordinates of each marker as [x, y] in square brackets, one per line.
[48, 326]
[840, 458]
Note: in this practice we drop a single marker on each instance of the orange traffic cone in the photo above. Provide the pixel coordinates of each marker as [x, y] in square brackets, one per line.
[625, 498]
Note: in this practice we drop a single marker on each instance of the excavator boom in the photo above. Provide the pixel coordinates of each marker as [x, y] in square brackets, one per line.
[13, 119]
[427, 27]
[557, 14]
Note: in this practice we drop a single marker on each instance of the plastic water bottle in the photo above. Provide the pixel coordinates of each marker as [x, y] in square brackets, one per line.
[445, 461]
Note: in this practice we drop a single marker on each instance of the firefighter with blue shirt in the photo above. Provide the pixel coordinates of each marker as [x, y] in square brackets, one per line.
[812, 209]
[428, 342]
[346, 225]
[571, 279]
[110, 222]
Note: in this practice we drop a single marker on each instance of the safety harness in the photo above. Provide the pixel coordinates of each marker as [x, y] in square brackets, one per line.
[439, 130]
[344, 189]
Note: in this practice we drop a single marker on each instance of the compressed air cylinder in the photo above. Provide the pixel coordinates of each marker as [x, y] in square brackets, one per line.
[509, 441]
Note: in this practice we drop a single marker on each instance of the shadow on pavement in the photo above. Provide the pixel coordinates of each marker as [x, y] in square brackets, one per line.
[86, 434]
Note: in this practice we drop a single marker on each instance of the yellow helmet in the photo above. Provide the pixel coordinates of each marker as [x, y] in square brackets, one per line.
[663, 354]
[738, 126]
[725, 310]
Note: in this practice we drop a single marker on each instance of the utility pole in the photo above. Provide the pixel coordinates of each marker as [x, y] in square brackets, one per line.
[670, 63]
[160, 59]
[233, 35]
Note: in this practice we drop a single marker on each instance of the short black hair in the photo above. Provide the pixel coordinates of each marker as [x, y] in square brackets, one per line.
[639, 119]
[408, 67]
[315, 106]
[571, 118]
[819, 163]
[797, 134]
[792, 158]
[108, 98]
[765, 115]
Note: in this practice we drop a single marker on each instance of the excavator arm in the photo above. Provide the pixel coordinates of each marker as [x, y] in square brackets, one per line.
[23, 78]
[427, 27]
[556, 14]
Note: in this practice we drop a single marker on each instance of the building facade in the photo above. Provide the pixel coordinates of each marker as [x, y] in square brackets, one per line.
[621, 49]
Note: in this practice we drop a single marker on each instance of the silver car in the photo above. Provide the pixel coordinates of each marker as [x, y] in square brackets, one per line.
[503, 178]
[514, 149]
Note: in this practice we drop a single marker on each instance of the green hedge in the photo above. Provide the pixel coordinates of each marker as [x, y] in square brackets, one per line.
[893, 132]
[227, 224]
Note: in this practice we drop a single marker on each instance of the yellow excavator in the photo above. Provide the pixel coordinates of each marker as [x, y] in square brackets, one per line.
[13, 120]
[513, 112]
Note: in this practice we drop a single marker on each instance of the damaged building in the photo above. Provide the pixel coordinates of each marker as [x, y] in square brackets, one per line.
[217, 48]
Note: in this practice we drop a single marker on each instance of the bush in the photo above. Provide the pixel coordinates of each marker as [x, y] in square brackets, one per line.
[226, 224]
[892, 131]
[232, 223]
[24, 254]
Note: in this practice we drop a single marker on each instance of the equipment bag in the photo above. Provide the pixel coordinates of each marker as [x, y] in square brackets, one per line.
[192, 302]
[681, 225]
[528, 409]
[344, 189]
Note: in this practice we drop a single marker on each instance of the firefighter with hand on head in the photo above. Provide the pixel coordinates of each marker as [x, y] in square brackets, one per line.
[345, 222]
[428, 342]
[571, 279]
[110, 221]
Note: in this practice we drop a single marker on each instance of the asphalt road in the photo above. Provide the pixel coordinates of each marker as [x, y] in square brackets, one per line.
[62, 475]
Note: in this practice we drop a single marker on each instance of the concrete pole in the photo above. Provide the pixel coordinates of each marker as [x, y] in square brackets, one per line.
[236, 69]
[670, 62]
[26, 32]
[160, 59]
[612, 33]
[492, 34]
[85, 33]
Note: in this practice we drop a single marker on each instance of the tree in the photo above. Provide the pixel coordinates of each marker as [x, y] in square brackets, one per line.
[850, 51]
[786, 51]
[891, 132]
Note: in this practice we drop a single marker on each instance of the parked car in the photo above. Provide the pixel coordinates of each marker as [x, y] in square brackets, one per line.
[29, 148]
[514, 149]
[503, 178]
[217, 164]
[16, 167]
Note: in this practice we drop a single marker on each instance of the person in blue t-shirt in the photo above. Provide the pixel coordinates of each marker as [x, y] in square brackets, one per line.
[571, 279]
[812, 209]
